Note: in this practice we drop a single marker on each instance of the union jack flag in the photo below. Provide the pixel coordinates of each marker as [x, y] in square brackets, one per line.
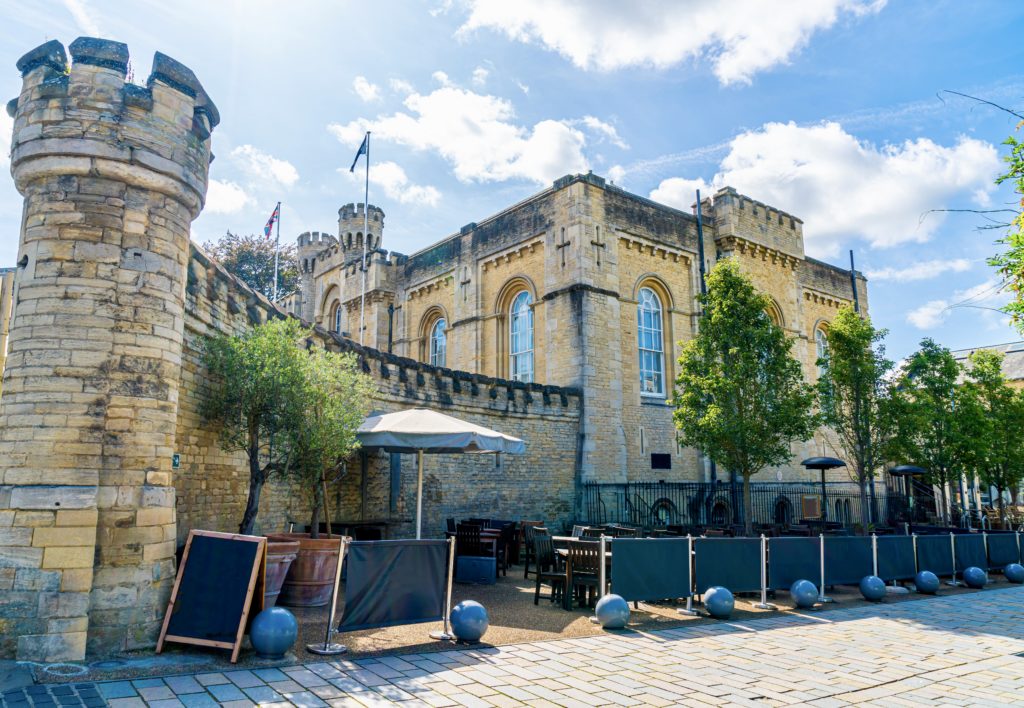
[268, 229]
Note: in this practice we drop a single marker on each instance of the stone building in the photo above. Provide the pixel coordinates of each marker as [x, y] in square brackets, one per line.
[582, 285]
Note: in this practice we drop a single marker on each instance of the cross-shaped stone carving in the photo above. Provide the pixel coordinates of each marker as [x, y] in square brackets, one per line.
[598, 245]
[562, 246]
[464, 283]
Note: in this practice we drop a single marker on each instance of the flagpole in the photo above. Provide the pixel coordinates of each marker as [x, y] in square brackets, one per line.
[277, 249]
[366, 238]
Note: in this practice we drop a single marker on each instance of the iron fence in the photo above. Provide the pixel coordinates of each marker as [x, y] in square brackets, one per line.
[718, 504]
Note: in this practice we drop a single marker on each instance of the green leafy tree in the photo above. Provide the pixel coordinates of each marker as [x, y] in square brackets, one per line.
[931, 432]
[740, 395]
[255, 396]
[1010, 263]
[994, 416]
[251, 259]
[336, 399]
[855, 392]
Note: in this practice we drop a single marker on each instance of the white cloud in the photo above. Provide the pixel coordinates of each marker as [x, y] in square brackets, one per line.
[604, 130]
[83, 17]
[924, 270]
[480, 75]
[739, 38]
[261, 167]
[987, 298]
[841, 186]
[616, 173]
[6, 129]
[478, 135]
[441, 78]
[679, 192]
[366, 91]
[225, 197]
[392, 179]
[400, 86]
[523, 87]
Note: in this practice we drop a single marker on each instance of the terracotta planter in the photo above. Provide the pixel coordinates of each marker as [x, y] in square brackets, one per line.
[310, 579]
[280, 555]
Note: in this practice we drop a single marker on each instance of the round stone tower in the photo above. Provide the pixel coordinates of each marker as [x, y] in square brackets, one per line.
[350, 229]
[310, 247]
[112, 175]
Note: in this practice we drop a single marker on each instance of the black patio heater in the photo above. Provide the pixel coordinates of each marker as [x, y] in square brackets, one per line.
[822, 464]
[907, 472]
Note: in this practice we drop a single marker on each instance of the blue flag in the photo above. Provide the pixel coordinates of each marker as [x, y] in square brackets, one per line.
[364, 149]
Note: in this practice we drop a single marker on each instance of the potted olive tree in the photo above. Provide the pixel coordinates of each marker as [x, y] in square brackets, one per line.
[254, 397]
[336, 399]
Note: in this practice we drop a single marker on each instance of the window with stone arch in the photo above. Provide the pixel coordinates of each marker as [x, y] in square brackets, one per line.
[336, 317]
[774, 313]
[520, 337]
[438, 342]
[650, 342]
[821, 346]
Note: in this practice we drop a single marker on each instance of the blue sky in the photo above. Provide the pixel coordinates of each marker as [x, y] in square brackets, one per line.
[825, 109]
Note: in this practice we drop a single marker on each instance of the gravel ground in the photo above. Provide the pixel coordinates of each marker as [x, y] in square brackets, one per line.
[513, 619]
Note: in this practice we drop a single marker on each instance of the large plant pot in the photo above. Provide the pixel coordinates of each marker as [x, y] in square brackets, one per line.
[310, 579]
[280, 555]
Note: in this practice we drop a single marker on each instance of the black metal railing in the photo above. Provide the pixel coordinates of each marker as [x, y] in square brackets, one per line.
[720, 504]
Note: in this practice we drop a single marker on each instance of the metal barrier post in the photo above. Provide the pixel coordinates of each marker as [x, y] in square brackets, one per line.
[688, 610]
[952, 547]
[329, 648]
[874, 555]
[444, 634]
[821, 552]
[764, 605]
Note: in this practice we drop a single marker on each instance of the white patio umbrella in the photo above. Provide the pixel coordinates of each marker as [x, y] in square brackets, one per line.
[421, 430]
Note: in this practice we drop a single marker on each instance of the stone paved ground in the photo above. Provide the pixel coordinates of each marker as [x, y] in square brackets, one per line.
[943, 651]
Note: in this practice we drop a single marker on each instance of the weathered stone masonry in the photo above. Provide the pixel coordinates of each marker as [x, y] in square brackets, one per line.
[103, 380]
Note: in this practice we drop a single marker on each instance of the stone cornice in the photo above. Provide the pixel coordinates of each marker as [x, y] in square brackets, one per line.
[758, 250]
[429, 286]
[505, 257]
[653, 248]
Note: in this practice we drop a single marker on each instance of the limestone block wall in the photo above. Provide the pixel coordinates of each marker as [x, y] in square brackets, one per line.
[112, 175]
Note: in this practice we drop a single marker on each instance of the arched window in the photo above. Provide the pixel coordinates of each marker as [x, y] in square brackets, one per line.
[336, 317]
[520, 350]
[821, 347]
[438, 343]
[650, 343]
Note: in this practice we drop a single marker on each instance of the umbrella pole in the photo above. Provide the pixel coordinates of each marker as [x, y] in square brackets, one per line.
[419, 495]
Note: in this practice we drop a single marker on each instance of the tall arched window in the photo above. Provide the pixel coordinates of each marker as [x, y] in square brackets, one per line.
[438, 343]
[821, 347]
[520, 350]
[650, 343]
[335, 321]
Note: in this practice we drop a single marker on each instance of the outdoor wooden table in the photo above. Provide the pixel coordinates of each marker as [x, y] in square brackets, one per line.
[565, 552]
[490, 538]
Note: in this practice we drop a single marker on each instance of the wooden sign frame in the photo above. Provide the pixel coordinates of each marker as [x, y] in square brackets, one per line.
[257, 577]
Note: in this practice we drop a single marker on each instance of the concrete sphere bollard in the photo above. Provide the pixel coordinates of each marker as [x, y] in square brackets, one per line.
[872, 588]
[804, 594]
[975, 577]
[612, 612]
[719, 602]
[469, 621]
[1014, 573]
[273, 632]
[926, 582]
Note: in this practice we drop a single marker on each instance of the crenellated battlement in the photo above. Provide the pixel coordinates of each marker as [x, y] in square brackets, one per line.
[352, 219]
[737, 215]
[89, 118]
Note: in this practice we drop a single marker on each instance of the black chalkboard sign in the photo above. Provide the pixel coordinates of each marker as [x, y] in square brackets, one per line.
[213, 593]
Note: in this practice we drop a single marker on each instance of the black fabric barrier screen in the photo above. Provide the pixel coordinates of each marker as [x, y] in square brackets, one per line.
[970, 550]
[1002, 549]
[394, 582]
[847, 559]
[792, 559]
[733, 563]
[934, 553]
[895, 558]
[650, 568]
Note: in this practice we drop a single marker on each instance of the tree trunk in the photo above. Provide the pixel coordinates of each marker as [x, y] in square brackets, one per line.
[1002, 507]
[252, 504]
[748, 506]
[865, 510]
[314, 516]
[944, 508]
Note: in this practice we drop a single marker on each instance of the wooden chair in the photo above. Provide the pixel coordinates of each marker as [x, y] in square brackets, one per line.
[528, 551]
[506, 538]
[468, 543]
[549, 569]
[451, 525]
[592, 532]
[583, 568]
[577, 531]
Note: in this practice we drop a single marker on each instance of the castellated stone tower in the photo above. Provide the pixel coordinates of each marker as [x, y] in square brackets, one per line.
[308, 253]
[351, 219]
[112, 175]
